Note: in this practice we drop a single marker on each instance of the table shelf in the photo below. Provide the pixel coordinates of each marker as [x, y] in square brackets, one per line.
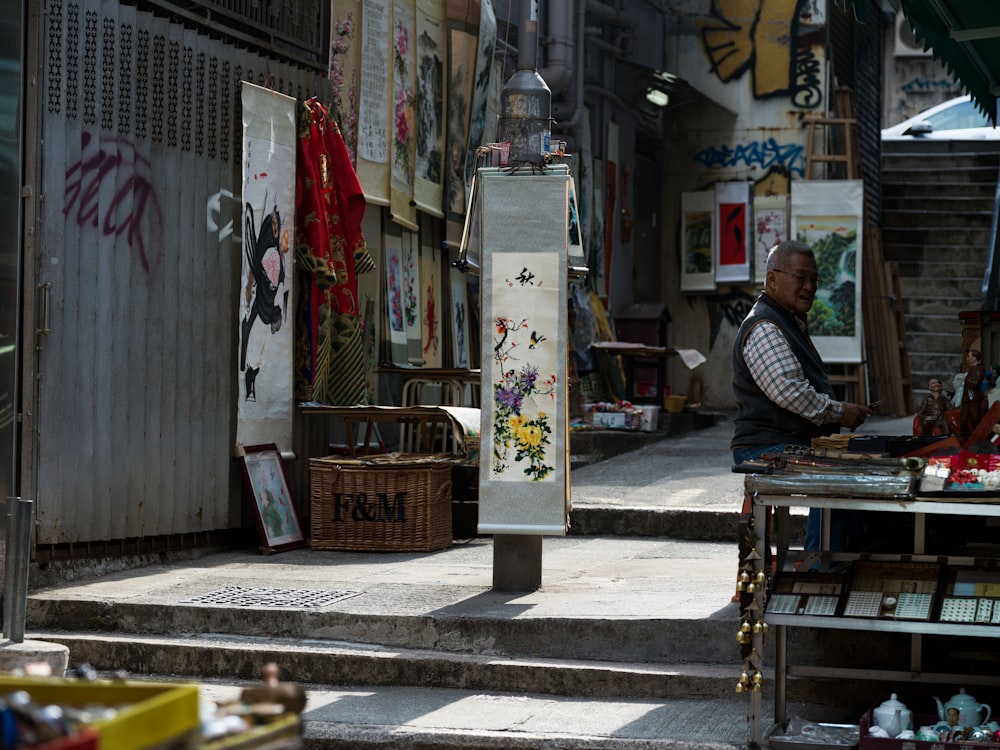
[770, 519]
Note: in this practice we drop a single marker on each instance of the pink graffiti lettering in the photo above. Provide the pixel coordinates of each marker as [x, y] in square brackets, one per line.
[134, 210]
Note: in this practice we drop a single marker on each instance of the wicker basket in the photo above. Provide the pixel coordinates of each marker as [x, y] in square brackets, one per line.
[380, 504]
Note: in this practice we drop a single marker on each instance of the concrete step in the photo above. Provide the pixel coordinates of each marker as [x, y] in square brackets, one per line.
[954, 292]
[942, 214]
[948, 147]
[378, 718]
[479, 624]
[896, 193]
[320, 662]
[966, 265]
[589, 446]
[973, 171]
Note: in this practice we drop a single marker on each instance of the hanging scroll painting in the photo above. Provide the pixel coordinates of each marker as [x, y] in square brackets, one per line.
[525, 296]
[697, 233]
[343, 71]
[463, 34]
[610, 210]
[395, 289]
[732, 232]
[374, 127]
[403, 121]
[430, 298]
[827, 216]
[428, 181]
[457, 317]
[770, 218]
[264, 333]
[523, 476]
[485, 48]
[411, 297]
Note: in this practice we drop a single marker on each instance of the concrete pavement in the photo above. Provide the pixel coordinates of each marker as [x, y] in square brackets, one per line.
[628, 643]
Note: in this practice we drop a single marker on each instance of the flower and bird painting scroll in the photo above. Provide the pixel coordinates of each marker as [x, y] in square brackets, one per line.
[524, 456]
[524, 368]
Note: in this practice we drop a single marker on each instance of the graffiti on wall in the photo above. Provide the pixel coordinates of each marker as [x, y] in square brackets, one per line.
[134, 209]
[925, 85]
[730, 308]
[765, 154]
[751, 37]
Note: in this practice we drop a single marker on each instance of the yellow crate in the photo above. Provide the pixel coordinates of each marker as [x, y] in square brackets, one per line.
[149, 713]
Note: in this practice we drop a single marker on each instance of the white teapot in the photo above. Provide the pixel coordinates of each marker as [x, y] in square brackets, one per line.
[970, 711]
[893, 716]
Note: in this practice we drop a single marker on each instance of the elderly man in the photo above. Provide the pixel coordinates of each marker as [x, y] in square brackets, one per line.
[783, 393]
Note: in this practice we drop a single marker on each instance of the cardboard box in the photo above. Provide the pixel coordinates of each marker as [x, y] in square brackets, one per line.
[612, 417]
[614, 420]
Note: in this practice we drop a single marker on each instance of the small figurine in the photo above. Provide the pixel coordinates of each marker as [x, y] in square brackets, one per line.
[291, 697]
[973, 398]
[929, 420]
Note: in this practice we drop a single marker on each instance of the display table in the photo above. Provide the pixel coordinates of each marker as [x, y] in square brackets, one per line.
[915, 593]
[463, 423]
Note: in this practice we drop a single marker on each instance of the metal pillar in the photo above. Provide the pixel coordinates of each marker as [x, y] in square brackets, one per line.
[19, 519]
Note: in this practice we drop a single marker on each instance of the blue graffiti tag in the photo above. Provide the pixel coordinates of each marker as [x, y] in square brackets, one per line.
[766, 154]
[924, 84]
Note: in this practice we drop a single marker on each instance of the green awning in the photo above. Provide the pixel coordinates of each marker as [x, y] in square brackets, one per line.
[963, 34]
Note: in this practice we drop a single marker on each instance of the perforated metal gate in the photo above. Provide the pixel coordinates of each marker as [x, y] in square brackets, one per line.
[139, 248]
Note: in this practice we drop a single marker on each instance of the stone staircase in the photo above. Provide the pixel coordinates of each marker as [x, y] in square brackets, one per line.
[635, 617]
[937, 217]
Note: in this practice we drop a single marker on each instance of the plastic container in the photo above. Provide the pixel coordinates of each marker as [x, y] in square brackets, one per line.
[650, 417]
[674, 404]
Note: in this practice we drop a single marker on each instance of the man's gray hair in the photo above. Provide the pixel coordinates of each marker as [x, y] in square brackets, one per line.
[786, 250]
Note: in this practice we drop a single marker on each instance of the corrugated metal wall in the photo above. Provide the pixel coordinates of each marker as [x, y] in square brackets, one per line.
[139, 238]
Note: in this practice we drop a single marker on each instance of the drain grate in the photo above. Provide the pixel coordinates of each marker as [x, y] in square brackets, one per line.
[242, 596]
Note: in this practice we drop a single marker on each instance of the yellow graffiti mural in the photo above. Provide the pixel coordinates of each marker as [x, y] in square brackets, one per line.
[754, 35]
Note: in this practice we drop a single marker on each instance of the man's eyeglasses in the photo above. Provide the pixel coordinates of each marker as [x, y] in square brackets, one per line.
[800, 277]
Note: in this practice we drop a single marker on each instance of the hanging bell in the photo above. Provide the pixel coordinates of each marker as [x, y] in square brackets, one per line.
[744, 577]
[757, 678]
[750, 588]
[744, 678]
[744, 627]
[759, 578]
[739, 687]
[758, 627]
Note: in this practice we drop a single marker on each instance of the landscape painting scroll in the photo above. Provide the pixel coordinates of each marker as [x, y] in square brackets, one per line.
[827, 216]
[697, 234]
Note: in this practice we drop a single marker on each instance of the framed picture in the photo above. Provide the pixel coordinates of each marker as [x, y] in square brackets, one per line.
[732, 232]
[697, 236]
[770, 217]
[265, 483]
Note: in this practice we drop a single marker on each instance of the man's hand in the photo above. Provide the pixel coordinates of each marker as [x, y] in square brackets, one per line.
[854, 415]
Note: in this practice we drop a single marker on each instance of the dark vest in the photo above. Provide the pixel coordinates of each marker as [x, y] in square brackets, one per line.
[759, 421]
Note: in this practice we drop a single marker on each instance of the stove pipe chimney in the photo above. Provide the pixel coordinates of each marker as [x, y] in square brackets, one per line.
[525, 101]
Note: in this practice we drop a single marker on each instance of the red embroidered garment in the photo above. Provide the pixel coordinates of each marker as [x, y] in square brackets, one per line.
[330, 251]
